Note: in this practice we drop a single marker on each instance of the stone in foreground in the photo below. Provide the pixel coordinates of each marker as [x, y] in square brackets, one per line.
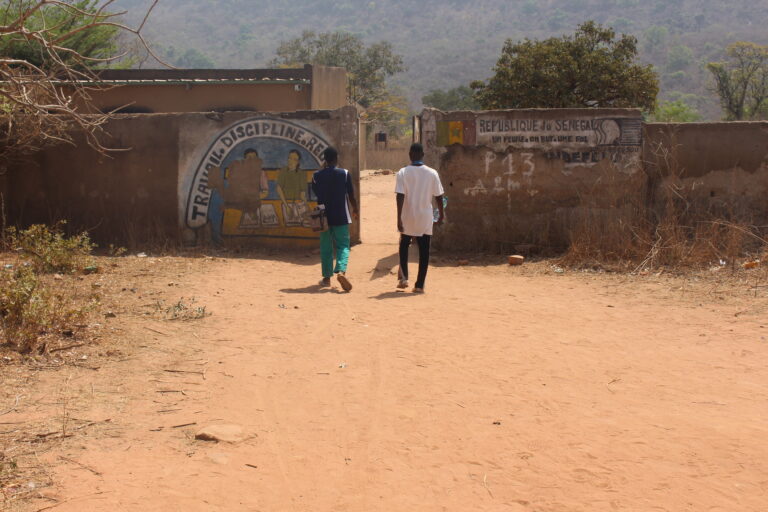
[516, 259]
[221, 433]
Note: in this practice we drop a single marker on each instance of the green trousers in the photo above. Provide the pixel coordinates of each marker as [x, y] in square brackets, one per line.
[337, 236]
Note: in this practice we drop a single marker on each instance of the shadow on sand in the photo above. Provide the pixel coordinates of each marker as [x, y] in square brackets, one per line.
[315, 288]
[394, 295]
[384, 266]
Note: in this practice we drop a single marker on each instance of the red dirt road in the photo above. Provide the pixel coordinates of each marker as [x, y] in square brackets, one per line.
[503, 388]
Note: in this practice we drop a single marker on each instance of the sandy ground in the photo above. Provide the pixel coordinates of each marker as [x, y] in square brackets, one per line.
[500, 389]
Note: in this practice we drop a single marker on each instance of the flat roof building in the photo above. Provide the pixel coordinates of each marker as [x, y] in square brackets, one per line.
[220, 90]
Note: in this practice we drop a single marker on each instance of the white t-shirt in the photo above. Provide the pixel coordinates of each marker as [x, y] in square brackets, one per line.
[420, 185]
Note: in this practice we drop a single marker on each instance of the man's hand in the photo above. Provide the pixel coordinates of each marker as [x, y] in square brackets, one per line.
[356, 215]
[400, 226]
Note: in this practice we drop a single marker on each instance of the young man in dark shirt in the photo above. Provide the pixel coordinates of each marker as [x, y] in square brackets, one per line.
[333, 188]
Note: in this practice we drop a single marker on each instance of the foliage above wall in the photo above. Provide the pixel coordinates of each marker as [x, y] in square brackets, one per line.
[458, 98]
[592, 68]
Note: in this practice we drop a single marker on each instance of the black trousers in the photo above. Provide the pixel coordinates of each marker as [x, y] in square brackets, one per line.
[423, 242]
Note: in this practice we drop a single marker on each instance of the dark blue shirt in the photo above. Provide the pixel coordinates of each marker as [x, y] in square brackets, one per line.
[333, 187]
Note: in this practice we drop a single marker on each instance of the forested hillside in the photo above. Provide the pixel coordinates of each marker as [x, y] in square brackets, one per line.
[446, 43]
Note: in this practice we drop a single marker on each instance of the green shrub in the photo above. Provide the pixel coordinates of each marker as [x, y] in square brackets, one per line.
[48, 250]
[29, 310]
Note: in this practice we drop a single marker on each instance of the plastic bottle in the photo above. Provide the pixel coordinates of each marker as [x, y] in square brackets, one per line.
[436, 211]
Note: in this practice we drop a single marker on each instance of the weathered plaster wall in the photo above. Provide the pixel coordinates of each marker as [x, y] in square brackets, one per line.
[528, 177]
[520, 177]
[127, 196]
[162, 187]
[720, 168]
[329, 87]
[392, 157]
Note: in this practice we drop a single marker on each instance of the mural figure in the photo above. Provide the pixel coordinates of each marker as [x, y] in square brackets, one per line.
[245, 184]
[292, 188]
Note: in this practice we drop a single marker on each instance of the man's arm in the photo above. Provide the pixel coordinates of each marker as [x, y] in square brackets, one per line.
[439, 200]
[351, 195]
[400, 201]
[355, 210]
[318, 189]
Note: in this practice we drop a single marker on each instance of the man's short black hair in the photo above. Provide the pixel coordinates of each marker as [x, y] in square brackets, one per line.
[330, 155]
[250, 151]
[417, 148]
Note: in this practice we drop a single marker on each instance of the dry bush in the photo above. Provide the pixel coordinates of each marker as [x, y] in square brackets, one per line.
[609, 226]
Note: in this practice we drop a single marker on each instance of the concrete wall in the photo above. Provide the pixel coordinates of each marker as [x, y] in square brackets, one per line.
[121, 198]
[519, 177]
[329, 88]
[528, 178]
[188, 177]
[393, 157]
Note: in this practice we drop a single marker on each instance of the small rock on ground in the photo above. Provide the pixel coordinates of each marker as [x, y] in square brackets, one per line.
[221, 433]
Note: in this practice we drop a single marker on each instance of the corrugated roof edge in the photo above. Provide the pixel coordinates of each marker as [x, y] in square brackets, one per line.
[195, 81]
[132, 75]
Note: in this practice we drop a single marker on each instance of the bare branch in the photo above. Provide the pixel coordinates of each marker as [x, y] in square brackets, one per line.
[48, 103]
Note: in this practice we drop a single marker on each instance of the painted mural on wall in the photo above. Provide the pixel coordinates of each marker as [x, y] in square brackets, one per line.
[255, 180]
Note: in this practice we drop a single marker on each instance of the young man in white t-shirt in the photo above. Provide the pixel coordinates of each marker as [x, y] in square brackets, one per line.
[417, 186]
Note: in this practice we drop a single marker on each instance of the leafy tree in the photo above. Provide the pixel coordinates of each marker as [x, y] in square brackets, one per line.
[679, 58]
[676, 78]
[742, 81]
[458, 98]
[80, 42]
[367, 66]
[675, 112]
[390, 113]
[592, 68]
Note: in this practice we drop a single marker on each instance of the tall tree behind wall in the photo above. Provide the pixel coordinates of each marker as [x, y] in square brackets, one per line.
[368, 67]
[741, 82]
[592, 68]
